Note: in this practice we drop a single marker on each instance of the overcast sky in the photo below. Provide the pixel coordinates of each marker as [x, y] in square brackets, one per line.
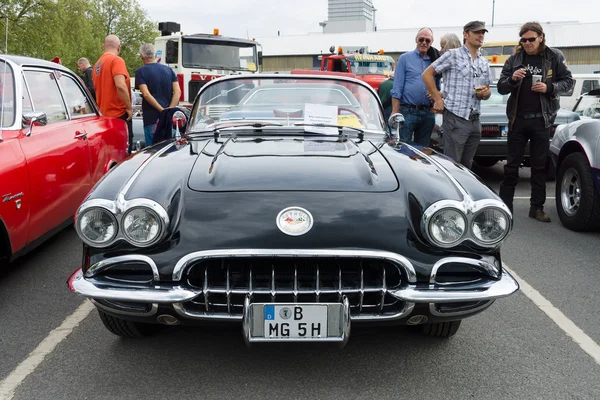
[263, 18]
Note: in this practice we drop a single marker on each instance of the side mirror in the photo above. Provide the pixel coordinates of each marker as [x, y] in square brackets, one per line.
[29, 118]
[260, 58]
[172, 55]
[179, 120]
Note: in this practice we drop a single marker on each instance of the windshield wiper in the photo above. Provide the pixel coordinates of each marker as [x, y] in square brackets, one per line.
[216, 130]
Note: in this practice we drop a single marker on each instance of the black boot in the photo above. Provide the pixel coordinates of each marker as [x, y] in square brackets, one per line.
[539, 214]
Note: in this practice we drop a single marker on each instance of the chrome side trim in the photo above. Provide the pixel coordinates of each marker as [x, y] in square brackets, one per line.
[402, 261]
[105, 264]
[150, 313]
[144, 164]
[490, 290]
[457, 184]
[435, 312]
[492, 270]
[142, 294]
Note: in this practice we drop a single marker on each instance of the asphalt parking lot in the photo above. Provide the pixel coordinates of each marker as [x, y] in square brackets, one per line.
[518, 349]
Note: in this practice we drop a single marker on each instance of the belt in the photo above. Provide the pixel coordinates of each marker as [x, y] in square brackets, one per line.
[474, 117]
[532, 115]
[423, 107]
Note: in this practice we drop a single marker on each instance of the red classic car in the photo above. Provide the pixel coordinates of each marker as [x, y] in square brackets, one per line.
[54, 147]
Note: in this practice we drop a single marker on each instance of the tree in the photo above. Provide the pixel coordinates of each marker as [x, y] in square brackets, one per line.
[72, 29]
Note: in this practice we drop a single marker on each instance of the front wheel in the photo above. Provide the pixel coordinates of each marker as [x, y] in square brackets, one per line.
[577, 201]
[128, 329]
[441, 329]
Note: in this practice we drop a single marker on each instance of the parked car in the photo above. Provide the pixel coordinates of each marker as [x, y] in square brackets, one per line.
[54, 146]
[295, 223]
[576, 151]
[582, 84]
[494, 131]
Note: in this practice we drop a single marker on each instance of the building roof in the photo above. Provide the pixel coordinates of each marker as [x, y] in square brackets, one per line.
[558, 34]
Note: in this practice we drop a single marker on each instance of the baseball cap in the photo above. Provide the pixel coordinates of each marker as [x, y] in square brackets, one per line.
[475, 26]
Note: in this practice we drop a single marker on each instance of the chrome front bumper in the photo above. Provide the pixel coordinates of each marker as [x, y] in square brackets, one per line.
[173, 294]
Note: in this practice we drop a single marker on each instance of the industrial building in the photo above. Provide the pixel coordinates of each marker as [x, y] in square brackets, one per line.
[351, 25]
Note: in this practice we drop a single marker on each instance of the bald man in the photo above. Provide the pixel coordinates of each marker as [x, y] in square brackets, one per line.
[112, 84]
[409, 95]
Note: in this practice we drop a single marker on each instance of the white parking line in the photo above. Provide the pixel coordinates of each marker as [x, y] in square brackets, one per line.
[527, 198]
[35, 358]
[586, 343]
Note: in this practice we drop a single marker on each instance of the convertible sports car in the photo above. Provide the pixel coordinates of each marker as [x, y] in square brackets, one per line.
[54, 147]
[576, 152]
[294, 227]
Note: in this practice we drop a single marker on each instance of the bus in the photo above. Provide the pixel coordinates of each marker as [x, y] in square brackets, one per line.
[498, 52]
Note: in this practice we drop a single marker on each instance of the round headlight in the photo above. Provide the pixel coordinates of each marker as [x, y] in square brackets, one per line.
[490, 225]
[141, 225]
[447, 226]
[97, 226]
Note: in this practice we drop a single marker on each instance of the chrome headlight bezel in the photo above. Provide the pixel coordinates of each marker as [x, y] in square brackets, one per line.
[90, 206]
[470, 210]
[147, 209]
[119, 209]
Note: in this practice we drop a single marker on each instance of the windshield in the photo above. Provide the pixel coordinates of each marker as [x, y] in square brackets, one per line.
[7, 95]
[371, 67]
[287, 100]
[589, 106]
[491, 51]
[226, 55]
[496, 99]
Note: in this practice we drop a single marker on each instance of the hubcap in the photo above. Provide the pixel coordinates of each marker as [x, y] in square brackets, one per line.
[570, 192]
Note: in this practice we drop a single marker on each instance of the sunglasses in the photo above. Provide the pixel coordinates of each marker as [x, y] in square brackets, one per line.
[426, 40]
[530, 40]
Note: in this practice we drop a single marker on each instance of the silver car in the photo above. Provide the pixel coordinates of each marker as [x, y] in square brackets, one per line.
[575, 149]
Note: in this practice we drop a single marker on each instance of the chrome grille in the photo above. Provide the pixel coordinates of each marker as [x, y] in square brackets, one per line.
[226, 282]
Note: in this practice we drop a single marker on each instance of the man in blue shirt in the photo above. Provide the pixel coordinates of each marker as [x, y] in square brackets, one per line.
[409, 95]
[160, 89]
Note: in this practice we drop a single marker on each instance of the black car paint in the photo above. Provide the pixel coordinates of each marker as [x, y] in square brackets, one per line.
[347, 218]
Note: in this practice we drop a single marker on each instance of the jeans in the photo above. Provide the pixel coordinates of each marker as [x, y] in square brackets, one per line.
[533, 131]
[149, 131]
[419, 122]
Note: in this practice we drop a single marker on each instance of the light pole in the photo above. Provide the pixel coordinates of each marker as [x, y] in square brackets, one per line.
[493, 6]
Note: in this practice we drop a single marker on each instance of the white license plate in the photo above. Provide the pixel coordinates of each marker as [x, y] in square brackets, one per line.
[295, 321]
[504, 130]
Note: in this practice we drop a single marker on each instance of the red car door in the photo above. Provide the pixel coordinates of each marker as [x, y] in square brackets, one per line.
[106, 142]
[57, 156]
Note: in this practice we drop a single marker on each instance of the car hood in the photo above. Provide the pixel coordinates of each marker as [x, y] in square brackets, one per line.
[290, 163]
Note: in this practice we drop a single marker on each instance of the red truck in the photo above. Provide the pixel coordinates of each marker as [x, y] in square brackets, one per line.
[371, 68]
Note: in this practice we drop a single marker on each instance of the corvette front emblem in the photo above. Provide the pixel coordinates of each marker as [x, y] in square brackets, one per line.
[294, 221]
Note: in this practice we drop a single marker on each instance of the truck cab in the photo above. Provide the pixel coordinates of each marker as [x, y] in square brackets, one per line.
[371, 68]
[201, 57]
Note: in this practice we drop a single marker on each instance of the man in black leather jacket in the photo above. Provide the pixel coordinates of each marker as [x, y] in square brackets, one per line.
[534, 76]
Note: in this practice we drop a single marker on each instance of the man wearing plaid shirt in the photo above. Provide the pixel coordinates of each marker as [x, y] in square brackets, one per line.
[463, 70]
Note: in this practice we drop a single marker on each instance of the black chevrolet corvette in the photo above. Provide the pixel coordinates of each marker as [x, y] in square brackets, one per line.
[295, 223]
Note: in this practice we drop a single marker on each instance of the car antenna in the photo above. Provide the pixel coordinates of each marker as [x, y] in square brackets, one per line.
[4, 81]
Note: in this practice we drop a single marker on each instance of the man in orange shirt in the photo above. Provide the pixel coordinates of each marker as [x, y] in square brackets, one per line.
[112, 84]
